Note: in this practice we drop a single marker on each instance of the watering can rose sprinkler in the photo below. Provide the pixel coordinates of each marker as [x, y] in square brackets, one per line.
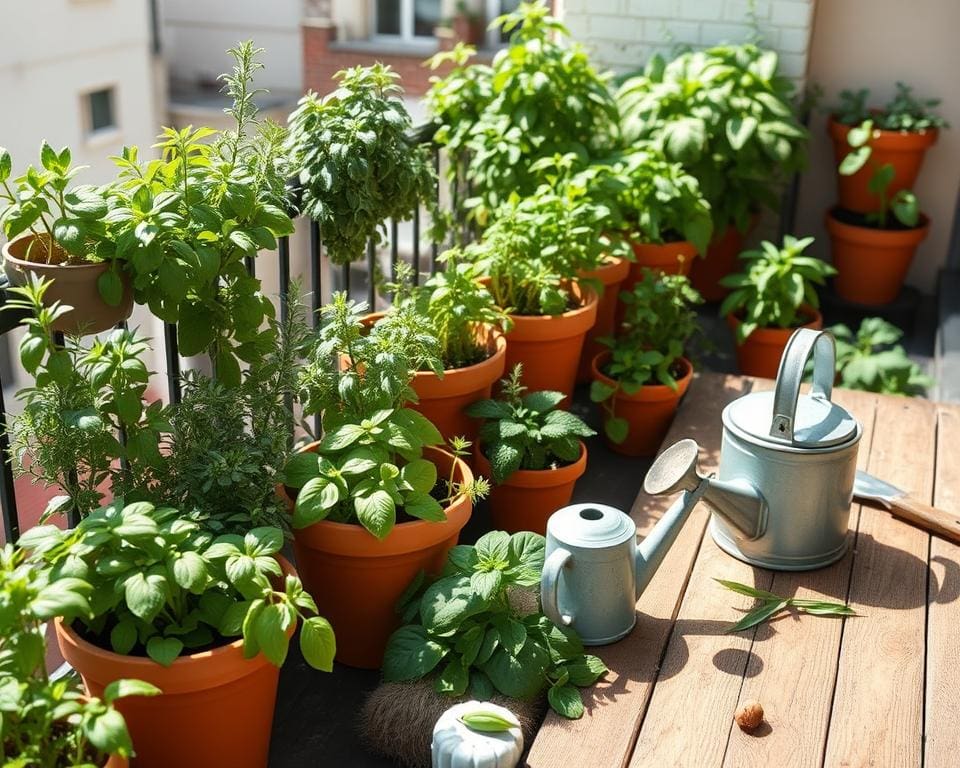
[781, 500]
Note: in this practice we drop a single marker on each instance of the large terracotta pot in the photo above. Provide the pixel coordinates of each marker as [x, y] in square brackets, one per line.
[760, 354]
[721, 260]
[356, 579]
[442, 400]
[115, 761]
[549, 346]
[872, 263]
[668, 258]
[611, 276]
[215, 709]
[904, 150]
[526, 499]
[73, 285]
[648, 412]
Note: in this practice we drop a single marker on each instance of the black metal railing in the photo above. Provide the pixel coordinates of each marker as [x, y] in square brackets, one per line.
[341, 280]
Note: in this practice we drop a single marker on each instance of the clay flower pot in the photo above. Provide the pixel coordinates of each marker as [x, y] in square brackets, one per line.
[611, 275]
[73, 285]
[721, 260]
[904, 150]
[872, 263]
[526, 499]
[443, 400]
[669, 258]
[648, 412]
[216, 707]
[760, 354]
[356, 579]
[549, 346]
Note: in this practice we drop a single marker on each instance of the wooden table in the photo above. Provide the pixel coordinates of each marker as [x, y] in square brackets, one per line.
[872, 690]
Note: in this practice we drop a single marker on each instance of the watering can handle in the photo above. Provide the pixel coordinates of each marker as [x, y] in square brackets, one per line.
[549, 583]
[803, 343]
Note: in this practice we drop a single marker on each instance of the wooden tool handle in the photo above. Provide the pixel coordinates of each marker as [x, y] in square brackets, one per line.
[924, 516]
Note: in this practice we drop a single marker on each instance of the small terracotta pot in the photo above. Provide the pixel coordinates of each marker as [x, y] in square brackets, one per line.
[904, 150]
[115, 761]
[526, 499]
[444, 400]
[760, 354]
[649, 411]
[73, 285]
[356, 579]
[872, 263]
[721, 260]
[549, 346]
[669, 258]
[611, 275]
[215, 709]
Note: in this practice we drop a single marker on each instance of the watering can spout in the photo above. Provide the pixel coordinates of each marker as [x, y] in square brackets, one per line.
[737, 501]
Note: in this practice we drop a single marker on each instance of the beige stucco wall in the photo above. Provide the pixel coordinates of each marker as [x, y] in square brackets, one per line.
[872, 44]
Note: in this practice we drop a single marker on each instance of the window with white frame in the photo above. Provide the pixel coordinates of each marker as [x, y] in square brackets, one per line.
[495, 8]
[99, 111]
[410, 20]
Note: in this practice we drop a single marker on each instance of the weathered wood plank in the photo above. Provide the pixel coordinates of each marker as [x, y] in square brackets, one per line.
[615, 706]
[792, 671]
[878, 702]
[943, 612]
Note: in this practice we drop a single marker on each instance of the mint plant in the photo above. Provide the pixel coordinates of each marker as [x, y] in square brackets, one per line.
[158, 585]
[659, 320]
[43, 722]
[540, 97]
[777, 282]
[368, 464]
[872, 360]
[466, 621]
[526, 431]
[903, 204]
[357, 165]
[184, 225]
[724, 113]
[904, 112]
[454, 306]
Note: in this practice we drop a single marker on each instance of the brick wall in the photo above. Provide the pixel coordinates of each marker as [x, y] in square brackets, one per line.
[622, 34]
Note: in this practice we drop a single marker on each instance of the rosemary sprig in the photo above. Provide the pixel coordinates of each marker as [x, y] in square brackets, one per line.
[771, 605]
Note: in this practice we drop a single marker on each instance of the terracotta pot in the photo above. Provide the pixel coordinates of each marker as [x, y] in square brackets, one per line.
[611, 275]
[73, 285]
[356, 579]
[549, 346]
[216, 708]
[872, 263]
[526, 499]
[669, 258]
[115, 761]
[649, 411]
[443, 400]
[721, 260]
[760, 354]
[904, 150]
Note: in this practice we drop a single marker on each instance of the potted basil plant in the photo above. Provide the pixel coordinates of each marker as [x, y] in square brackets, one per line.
[205, 620]
[774, 295]
[532, 450]
[375, 499]
[640, 379]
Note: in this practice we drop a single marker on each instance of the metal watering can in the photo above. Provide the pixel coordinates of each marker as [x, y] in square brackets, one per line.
[781, 500]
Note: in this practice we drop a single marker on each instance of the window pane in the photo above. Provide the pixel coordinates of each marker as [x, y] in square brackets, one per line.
[388, 17]
[101, 109]
[426, 16]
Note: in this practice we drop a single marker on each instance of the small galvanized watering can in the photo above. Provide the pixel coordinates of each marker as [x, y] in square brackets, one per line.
[781, 500]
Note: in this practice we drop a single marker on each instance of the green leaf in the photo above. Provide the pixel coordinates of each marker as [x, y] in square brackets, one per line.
[585, 670]
[684, 139]
[454, 678]
[342, 437]
[854, 161]
[164, 650]
[745, 589]
[32, 349]
[376, 512]
[6, 164]
[119, 689]
[317, 497]
[565, 701]
[268, 632]
[264, 540]
[758, 615]
[616, 429]
[424, 507]
[196, 330]
[600, 391]
[739, 130]
[481, 688]
[468, 644]
[107, 732]
[526, 556]
[419, 425]
[71, 234]
[420, 475]
[511, 633]
[301, 468]
[318, 643]
[411, 654]
[543, 401]
[448, 602]
[231, 622]
[494, 547]
[487, 583]
[521, 676]
[145, 595]
[227, 367]
[190, 571]
[111, 288]
[123, 637]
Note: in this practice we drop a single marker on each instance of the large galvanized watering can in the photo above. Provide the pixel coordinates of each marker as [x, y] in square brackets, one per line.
[781, 499]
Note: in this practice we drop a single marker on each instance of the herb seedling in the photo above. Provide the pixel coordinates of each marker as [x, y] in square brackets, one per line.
[872, 360]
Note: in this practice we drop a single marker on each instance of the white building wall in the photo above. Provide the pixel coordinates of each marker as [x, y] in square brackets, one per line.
[196, 34]
[623, 34]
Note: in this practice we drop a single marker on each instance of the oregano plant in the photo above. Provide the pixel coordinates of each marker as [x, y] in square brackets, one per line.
[464, 632]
